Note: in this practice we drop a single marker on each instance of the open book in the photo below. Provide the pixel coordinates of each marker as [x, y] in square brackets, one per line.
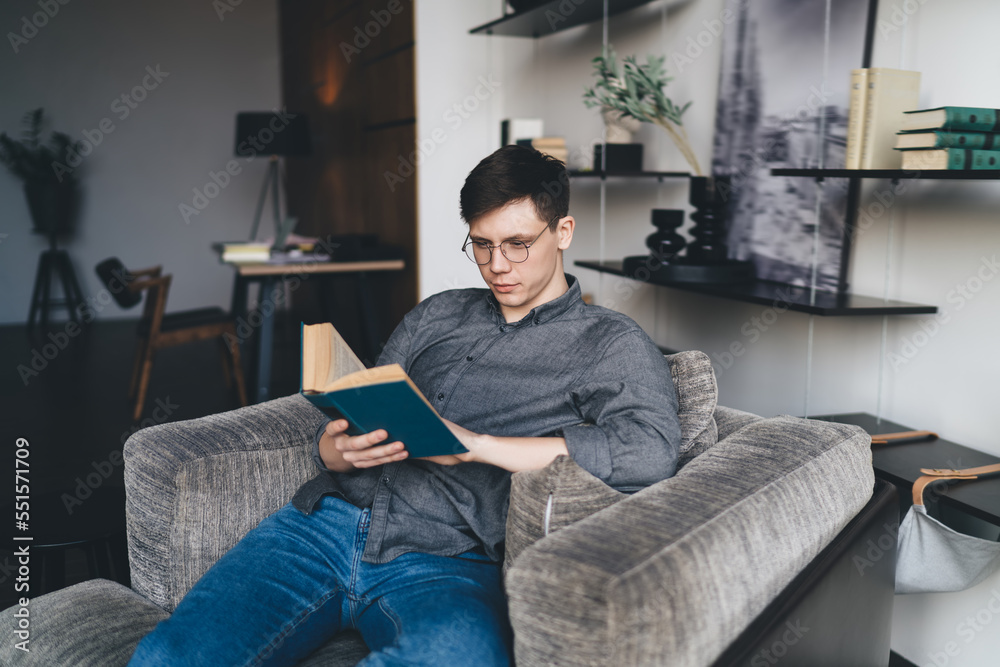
[335, 381]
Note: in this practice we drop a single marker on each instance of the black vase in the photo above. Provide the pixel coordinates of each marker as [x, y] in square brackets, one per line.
[53, 205]
[665, 244]
[707, 196]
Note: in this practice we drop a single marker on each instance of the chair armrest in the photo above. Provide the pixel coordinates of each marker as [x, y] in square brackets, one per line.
[673, 574]
[146, 283]
[194, 488]
[730, 420]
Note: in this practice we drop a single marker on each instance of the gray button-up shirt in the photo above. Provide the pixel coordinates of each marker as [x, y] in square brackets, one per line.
[585, 373]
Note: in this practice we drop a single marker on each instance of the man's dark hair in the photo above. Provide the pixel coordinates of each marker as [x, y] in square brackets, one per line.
[512, 174]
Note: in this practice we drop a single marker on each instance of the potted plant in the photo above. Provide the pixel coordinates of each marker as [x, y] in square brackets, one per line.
[51, 194]
[637, 94]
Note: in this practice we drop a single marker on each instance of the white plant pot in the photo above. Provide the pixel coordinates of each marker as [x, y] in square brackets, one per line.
[619, 127]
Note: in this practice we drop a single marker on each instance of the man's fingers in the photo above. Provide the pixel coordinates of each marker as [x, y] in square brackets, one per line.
[346, 443]
[336, 427]
[374, 456]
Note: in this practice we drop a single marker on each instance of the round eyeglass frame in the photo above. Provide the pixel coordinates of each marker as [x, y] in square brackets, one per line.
[527, 245]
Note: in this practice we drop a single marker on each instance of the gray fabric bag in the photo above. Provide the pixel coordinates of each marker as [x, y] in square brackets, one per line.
[933, 558]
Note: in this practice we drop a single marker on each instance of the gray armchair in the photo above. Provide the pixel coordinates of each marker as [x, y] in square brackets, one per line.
[704, 567]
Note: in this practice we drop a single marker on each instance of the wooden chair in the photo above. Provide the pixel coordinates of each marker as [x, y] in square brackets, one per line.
[158, 329]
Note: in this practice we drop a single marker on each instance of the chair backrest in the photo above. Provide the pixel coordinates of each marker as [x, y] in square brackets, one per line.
[116, 278]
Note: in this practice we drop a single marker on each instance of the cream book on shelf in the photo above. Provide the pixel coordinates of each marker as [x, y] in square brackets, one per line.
[856, 118]
[890, 93]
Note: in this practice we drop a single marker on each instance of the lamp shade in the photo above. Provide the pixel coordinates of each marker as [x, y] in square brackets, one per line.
[272, 133]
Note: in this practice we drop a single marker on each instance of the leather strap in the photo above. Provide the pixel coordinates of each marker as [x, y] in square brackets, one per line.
[934, 474]
[902, 436]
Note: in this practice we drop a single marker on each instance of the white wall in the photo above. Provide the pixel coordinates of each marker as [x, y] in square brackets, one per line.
[80, 61]
[940, 372]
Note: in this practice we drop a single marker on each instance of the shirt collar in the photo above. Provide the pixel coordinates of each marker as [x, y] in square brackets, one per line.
[548, 310]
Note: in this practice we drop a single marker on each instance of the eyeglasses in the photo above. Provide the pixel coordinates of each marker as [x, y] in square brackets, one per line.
[481, 252]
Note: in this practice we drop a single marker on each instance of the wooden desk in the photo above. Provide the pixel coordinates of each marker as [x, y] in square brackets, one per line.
[900, 464]
[268, 275]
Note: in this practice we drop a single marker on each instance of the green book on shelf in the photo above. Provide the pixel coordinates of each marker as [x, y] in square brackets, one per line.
[975, 119]
[906, 141]
[335, 381]
[951, 158]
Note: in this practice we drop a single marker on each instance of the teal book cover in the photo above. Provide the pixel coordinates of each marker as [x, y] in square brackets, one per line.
[379, 398]
[976, 119]
[395, 407]
[989, 141]
[968, 158]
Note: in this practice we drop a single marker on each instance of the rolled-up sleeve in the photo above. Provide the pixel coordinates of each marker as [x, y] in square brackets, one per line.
[630, 435]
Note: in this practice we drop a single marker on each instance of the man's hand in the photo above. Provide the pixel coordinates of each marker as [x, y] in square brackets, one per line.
[509, 453]
[343, 453]
[472, 442]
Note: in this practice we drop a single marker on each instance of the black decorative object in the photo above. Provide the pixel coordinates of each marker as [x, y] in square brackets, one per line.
[665, 243]
[709, 231]
[705, 260]
[621, 158]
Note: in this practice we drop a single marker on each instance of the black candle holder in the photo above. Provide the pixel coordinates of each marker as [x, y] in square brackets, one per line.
[705, 259]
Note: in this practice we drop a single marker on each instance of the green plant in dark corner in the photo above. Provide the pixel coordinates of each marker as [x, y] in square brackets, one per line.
[638, 93]
[50, 187]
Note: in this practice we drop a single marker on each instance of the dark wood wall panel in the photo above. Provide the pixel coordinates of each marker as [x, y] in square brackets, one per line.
[389, 91]
[352, 72]
[396, 33]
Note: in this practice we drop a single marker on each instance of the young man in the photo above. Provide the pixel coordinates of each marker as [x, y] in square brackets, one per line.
[408, 551]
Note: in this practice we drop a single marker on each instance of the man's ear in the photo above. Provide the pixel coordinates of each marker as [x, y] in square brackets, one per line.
[564, 231]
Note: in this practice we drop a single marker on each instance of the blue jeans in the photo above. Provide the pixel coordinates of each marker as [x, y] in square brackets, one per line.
[296, 580]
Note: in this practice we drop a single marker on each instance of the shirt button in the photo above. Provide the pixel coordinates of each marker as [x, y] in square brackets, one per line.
[385, 480]
[469, 358]
[440, 397]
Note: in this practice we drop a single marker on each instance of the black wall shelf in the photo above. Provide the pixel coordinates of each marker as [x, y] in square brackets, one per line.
[553, 16]
[799, 299]
[901, 174]
[576, 173]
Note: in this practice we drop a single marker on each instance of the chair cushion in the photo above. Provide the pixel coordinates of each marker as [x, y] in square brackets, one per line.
[697, 396]
[95, 623]
[187, 319]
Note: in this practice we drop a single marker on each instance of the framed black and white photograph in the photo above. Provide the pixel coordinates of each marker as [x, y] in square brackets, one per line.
[783, 103]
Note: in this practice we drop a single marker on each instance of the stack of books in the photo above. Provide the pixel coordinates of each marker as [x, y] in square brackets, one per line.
[242, 253]
[554, 146]
[950, 138]
[879, 96]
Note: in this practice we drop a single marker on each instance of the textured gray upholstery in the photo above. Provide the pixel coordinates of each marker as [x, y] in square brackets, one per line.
[92, 624]
[669, 575]
[697, 396]
[194, 488]
[563, 493]
[672, 574]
